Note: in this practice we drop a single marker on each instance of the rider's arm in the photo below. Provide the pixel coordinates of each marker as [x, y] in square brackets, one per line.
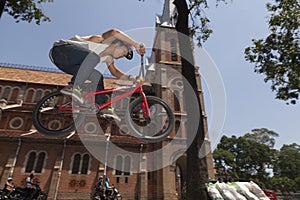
[113, 34]
[106, 185]
[94, 38]
[10, 184]
[113, 69]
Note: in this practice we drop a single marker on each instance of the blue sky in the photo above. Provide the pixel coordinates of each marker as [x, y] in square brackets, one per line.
[250, 102]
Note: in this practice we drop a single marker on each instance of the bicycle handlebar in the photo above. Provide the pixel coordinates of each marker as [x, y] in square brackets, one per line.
[142, 73]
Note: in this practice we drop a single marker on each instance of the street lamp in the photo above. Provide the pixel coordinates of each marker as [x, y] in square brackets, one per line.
[106, 153]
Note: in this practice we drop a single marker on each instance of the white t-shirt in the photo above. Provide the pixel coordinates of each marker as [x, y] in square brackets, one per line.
[28, 183]
[76, 40]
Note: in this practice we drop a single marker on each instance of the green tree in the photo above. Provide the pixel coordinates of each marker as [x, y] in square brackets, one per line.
[288, 162]
[297, 180]
[25, 10]
[224, 158]
[277, 56]
[262, 136]
[283, 184]
[246, 157]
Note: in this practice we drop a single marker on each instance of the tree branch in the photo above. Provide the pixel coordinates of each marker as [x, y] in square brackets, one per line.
[2, 5]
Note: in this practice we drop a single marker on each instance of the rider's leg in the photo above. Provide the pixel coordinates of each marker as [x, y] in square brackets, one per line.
[97, 84]
[68, 58]
[87, 68]
[75, 60]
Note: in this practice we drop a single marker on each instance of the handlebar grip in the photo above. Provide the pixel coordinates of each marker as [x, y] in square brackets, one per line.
[142, 45]
[140, 79]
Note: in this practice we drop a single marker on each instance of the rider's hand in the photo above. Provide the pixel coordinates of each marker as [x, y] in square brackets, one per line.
[131, 78]
[140, 79]
[141, 49]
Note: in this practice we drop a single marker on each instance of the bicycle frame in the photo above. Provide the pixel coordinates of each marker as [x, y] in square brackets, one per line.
[129, 91]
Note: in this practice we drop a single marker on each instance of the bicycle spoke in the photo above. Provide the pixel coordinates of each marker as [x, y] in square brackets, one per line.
[155, 127]
[54, 115]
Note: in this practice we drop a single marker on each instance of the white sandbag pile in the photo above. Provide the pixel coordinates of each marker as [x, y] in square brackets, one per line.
[236, 191]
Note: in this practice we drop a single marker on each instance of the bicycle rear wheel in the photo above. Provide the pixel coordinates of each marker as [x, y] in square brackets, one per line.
[54, 115]
[154, 128]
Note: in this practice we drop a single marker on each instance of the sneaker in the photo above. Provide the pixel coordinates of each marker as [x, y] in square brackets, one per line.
[74, 92]
[108, 112]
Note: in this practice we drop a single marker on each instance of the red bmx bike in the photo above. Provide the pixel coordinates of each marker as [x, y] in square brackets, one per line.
[147, 117]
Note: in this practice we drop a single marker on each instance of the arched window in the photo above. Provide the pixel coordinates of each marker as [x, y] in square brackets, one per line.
[30, 162]
[38, 95]
[127, 166]
[173, 44]
[35, 162]
[177, 128]
[76, 163]
[46, 92]
[123, 165]
[119, 164]
[6, 93]
[29, 95]
[14, 94]
[40, 162]
[85, 164]
[176, 101]
[80, 164]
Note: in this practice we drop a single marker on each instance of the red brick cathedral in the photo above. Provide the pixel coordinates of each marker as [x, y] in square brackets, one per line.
[65, 168]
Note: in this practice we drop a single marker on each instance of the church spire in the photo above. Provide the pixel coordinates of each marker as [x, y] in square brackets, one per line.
[169, 15]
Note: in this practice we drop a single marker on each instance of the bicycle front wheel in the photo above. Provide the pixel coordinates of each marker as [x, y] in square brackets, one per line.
[54, 115]
[154, 128]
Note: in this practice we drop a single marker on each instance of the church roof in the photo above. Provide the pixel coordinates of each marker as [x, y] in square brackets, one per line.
[40, 75]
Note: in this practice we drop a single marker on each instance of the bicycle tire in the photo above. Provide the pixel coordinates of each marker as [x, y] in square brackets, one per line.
[157, 127]
[66, 121]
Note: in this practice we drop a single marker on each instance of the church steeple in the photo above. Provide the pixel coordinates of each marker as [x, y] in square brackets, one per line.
[169, 15]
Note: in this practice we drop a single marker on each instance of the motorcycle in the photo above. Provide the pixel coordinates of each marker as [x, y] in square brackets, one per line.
[3, 194]
[11, 195]
[38, 193]
[114, 195]
[101, 195]
[20, 193]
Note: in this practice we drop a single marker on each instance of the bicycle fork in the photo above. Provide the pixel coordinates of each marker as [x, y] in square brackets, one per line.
[145, 107]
